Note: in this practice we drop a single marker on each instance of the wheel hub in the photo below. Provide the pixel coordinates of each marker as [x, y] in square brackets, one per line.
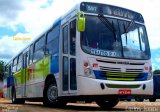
[52, 93]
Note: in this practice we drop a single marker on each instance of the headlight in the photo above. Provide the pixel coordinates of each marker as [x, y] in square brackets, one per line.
[150, 74]
[88, 71]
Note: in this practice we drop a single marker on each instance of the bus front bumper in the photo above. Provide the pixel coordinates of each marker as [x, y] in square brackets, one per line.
[89, 86]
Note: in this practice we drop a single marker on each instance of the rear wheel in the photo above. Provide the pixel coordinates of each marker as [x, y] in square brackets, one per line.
[152, 99]
[51, 95]
[107, 104]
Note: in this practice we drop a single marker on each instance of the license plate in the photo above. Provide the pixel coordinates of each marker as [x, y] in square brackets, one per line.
[124, 92]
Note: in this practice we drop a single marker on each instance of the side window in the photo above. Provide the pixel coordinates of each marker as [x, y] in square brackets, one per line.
[39, 49]
[73, 38]
[53, 41]
[27, 59]
[65, 40]
[19, 65]
[15, 65]
[7, 70]
[10, 69]
[31, 54]
[40, 43]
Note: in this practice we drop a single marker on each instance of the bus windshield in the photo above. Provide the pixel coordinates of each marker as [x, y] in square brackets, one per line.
[117, 39]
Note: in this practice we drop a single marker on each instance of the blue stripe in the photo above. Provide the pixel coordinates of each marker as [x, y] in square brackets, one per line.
[54, 66]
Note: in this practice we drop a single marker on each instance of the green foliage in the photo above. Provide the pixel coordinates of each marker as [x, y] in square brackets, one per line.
[156, 72]
[2, 67]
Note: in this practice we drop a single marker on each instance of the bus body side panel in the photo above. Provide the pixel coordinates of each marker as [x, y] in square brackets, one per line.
[5, 88]
[18, 83]
[36, 77]
[54, 68]
[38, 73]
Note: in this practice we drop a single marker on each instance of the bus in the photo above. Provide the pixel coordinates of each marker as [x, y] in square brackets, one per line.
[95, 52]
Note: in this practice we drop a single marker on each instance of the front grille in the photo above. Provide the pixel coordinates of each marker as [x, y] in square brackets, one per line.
[115, 74]
[106, 69]
[122, 86]
[134, 70]
[119, 76]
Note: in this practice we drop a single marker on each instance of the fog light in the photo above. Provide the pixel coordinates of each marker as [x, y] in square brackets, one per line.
[102, 86]
[144, 87]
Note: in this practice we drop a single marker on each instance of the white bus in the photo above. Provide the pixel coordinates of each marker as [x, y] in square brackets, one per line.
[96, 52]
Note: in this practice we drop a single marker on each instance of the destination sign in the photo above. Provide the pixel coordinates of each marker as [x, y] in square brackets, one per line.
[111, 11]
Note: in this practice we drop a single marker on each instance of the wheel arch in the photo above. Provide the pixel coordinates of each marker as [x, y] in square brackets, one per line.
[49, 77]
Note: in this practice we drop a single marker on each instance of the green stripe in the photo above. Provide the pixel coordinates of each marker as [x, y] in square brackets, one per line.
[41, 70]
[121, 79]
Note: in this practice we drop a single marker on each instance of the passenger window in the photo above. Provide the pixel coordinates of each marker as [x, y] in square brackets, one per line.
[40, 43]
[39, 49]
[19, 65]
[53, 41]
[54, 33]
[38, 55]
[14, 65]
[31, 54]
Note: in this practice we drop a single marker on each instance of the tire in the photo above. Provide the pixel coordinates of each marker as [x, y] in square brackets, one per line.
[128, 100]
[139, 99]
[15, 100]
[152, 99]
[107, 104]
[50, 96]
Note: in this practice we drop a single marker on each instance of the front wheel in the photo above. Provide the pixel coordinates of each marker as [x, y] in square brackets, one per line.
[51, 96]
[152, 99]
[107, 104]
[139, 99]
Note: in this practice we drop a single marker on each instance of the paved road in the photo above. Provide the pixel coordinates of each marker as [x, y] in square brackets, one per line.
[6, 106]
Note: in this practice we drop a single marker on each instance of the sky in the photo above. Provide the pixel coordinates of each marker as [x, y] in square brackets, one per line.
[29, 18]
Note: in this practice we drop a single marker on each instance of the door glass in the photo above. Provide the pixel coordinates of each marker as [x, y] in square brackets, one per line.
[65, 40]
[73, 85]
[73, 38]
[65, 73]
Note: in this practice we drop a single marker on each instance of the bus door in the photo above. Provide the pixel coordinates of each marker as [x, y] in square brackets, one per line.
[69, 80]
[25, 71]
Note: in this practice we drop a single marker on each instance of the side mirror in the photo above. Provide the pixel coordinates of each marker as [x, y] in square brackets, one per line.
[81, 22]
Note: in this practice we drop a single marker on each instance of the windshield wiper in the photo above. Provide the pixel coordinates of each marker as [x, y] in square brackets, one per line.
[108, 25]
[132, 23]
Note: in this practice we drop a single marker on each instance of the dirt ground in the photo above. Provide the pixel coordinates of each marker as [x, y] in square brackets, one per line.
[6, 106]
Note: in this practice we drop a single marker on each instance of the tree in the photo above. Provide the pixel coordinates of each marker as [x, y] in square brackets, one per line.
[2, 67]
[156, 72]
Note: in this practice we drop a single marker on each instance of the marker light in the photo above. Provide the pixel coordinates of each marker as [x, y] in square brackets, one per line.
[86, 64]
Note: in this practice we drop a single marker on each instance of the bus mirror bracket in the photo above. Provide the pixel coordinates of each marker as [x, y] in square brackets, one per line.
[81, 22]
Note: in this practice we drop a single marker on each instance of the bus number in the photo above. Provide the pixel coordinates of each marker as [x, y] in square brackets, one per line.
[91, 8]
